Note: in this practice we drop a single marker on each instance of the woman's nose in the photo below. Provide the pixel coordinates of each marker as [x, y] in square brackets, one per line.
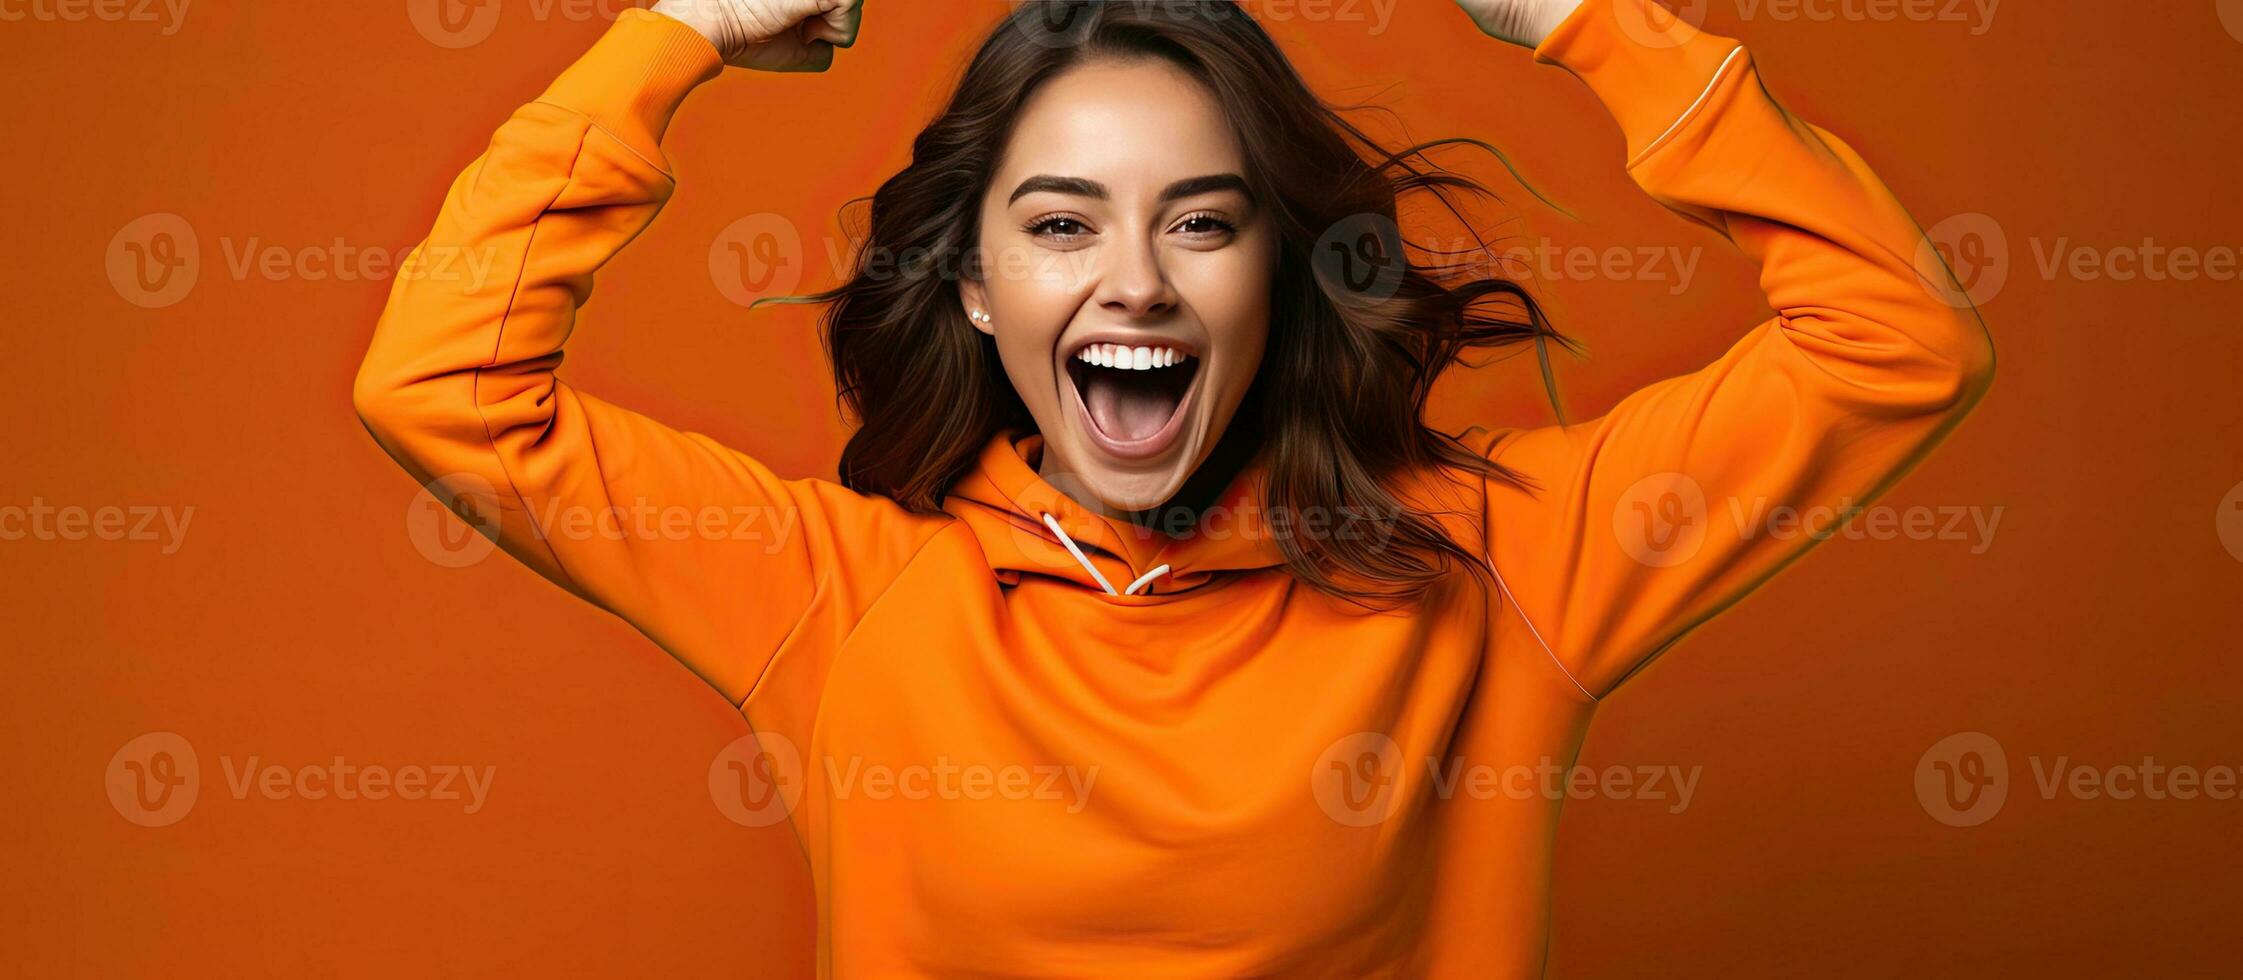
[1134, 283]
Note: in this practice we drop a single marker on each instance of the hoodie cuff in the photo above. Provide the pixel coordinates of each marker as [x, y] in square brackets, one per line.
[1648, 66]
[634, 78]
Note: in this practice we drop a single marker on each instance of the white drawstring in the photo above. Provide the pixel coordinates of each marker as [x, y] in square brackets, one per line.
[1142, 580]
[1145, 579]
[1053, 523]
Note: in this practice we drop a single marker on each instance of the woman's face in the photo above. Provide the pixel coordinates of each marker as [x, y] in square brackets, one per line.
[1128, 278]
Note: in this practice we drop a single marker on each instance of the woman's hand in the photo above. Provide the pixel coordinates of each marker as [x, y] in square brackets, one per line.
[1524, 22]
[771, 35]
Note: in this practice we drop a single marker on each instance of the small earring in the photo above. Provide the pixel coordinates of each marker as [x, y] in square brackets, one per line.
[982, 317]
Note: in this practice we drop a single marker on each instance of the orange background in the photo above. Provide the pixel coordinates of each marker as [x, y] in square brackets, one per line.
[298, 622]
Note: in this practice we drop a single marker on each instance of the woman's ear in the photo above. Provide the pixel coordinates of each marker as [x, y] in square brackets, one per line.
[976, 299]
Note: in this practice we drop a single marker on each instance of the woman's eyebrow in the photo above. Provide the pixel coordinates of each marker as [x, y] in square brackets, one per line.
[1085, 187]
[1077, 186]
[1195, 186]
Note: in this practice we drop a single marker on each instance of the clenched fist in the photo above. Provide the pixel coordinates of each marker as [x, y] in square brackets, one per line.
[771, 35]
[1524, 22]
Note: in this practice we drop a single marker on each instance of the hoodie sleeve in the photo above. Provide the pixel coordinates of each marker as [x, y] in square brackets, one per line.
[703, 549]
[1650, 520]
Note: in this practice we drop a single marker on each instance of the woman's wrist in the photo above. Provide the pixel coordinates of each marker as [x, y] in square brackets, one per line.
[702, 17]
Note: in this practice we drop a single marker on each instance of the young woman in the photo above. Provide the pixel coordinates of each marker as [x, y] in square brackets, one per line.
[1141, 496]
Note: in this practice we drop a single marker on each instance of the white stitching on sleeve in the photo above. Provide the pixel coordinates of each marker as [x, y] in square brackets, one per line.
[1718, 74]
[1513, 600]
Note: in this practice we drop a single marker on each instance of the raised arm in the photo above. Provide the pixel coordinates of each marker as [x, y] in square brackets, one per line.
[702, 548]
[1632, 538]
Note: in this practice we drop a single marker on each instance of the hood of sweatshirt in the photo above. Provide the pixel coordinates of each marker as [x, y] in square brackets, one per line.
[1027, 527]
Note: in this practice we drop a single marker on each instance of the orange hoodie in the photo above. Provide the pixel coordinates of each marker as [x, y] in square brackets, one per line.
[999, 766]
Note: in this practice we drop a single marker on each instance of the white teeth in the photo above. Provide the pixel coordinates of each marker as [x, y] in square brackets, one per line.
[1124, 358]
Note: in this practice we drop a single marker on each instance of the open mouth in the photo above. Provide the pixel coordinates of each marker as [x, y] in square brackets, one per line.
[1132, 396]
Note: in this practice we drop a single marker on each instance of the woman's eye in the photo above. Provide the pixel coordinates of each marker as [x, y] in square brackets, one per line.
[1206, 225]
[1060, 227]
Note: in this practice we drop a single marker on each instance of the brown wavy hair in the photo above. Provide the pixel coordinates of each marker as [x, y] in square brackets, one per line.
[1359, 327]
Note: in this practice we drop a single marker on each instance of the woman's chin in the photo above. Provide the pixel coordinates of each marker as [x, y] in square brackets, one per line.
[1088, 474]
[1132, 494]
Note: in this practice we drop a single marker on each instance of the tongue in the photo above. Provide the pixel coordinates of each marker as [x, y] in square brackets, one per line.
[1126, 408]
